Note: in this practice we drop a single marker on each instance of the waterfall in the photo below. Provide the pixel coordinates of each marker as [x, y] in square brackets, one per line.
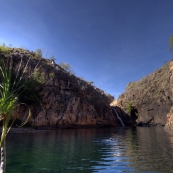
[118, 117]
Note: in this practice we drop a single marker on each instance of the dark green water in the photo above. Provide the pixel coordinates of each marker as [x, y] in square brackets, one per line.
[91, 150]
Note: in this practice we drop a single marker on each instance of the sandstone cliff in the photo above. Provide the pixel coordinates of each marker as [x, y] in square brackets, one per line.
[64, 99]
[150, 99]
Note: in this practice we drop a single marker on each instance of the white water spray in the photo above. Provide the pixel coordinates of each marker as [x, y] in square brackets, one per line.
[119, 117]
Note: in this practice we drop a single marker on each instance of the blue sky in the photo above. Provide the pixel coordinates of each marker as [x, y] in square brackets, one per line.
[110, 42]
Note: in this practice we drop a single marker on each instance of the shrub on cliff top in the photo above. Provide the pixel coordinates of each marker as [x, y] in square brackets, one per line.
[170, 48]
[66, 67]
[4, 48]
[38, 53]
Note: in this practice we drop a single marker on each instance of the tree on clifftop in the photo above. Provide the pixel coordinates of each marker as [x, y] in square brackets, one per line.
[171, 44]
[66, 67]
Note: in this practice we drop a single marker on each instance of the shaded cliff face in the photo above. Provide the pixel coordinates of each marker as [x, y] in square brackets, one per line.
[151, 97]
[64, 99]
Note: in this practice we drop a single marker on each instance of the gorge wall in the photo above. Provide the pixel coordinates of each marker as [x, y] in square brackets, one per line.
[150, 99]
[64, 99]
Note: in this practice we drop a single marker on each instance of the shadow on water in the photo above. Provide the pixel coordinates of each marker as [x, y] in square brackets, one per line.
[91, 150]
[68, 150]
[149, 150]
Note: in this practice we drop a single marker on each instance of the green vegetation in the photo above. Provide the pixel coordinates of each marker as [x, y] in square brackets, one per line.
[39, 76]
[90, 82]
[129, 107]
[52, 75]
[38, 53]
[136, 113]
[52, 58]
[31, 95]
[4, 48]
[170, 48]
[81, 78]
[132, 110]
[66, 67]
[11, 88]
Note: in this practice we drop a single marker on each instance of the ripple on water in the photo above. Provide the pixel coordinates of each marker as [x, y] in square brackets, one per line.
[91, 150]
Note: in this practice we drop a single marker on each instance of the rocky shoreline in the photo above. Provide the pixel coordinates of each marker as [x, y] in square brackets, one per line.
[42, 129]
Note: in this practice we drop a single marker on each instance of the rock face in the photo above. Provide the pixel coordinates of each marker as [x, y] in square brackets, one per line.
[64, 99]
[150, 98]
[169, 124]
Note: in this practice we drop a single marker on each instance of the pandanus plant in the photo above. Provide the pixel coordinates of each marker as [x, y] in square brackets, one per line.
[10, 90]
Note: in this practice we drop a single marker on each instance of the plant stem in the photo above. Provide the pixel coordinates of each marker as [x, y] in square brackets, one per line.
[3, 157]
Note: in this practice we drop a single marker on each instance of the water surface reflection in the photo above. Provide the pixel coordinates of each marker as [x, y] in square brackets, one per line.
[91, 150]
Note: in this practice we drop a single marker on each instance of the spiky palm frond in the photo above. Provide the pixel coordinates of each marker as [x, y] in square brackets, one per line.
[9, 93]
[7, 97]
